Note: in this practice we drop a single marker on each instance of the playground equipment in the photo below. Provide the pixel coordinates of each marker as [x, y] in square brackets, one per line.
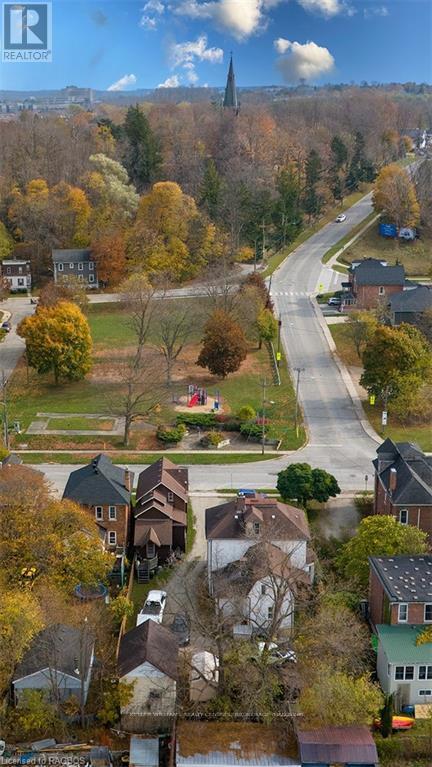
[196, 396]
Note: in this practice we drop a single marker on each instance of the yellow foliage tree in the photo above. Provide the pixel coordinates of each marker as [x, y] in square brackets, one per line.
[394, 196]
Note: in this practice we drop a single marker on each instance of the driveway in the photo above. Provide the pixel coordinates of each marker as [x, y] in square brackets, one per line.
[13, 346]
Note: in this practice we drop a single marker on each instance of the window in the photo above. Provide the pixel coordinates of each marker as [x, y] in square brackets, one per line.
[428, 613]
[425, 672]
[150, 550]
[381, 290]
[91, 266]
[112, 538]
[71, 266]
[91, 277]
[402, 613]
[256, 528]
[170, 496]
[20, 270]
[60, 267]
[20, 280]
[112, 512]
[80, 277]
[99, 512]
[403, 516]
[263, 589]
[80, 267]
[425, 692]
[404, 672]
[8, 270]
[409, 672]
[270, 612]
[399, 672]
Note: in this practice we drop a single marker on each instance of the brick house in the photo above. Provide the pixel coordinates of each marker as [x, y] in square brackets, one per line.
[408, 305]
[403, 484]
[76, 262]
[400, 590]
[17, 274]
[105, 490]
[371, 282]
[160, 513]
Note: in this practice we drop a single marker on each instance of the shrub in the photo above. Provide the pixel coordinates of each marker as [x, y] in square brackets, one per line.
[246, 413]
[212, 439]
[364, 503]
[197, 419]
[251, 430]
[171, 436]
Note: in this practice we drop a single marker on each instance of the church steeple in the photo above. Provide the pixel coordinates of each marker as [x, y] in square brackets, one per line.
[230, 99]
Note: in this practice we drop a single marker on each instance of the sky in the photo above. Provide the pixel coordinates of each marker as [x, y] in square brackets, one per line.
[125, 44]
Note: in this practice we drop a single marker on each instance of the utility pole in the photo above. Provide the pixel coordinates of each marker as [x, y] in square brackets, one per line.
[279, 337]
[299, 371]
[5, 412]
[263, 226]
[264, 386]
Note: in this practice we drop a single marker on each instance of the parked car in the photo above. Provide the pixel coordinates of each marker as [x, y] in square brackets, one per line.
[334, 301]
[340, 218]
[154, 607]
[6, 326]
[245, 492]
[277, 654]
[181, 628]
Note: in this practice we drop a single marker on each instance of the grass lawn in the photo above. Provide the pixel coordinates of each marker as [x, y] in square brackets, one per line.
[276, 260]
[190, 459]
[30, 393]
[415, 256]
[343, 241]
[344, 344]
[81, 423]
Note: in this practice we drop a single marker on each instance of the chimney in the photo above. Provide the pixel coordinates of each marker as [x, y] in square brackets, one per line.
[393, 479]
[127, 479]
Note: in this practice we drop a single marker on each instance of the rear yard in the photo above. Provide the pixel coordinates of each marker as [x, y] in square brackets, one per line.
[415, 256]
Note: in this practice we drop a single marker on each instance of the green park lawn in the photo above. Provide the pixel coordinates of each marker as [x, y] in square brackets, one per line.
[30, 393]
[415, 256]
[143, 458]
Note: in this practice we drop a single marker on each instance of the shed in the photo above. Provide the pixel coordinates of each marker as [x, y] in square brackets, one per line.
[347, 746]
[204, 676]
[143, 752]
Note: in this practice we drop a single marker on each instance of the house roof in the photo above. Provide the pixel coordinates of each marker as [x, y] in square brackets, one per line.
[260, 561]
[399, 644]
[405, 578]
[148, 643]
[155, 500]
[229, 520]
[143, 752]
[59, 647]
[341, 745]
[413, 472]
[99, 482]
[162, 529]
[370, 271]
[12, 460]
[414, 301]
[74, 255]
[234, 744]
[163, 471]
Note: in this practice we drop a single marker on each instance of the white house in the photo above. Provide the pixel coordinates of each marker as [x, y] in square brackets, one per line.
[17, 274]
[148, 657]
[58, 661]
[404, 667]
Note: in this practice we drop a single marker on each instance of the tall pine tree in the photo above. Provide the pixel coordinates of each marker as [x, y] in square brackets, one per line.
[210, 191]
[142, 152]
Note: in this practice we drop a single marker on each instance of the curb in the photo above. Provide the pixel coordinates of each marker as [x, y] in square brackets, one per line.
[334, 259]
[367, 428]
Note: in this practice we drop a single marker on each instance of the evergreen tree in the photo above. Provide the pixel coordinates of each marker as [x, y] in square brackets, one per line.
[210, 191]
[312, 200]
[287, 216]
[339, 153]
[142, 155]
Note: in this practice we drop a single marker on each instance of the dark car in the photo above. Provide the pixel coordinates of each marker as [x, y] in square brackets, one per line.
[6, 326]
[181, 628]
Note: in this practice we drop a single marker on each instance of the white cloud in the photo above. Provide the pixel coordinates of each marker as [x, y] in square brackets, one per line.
[148, 22]
[241, 18]
[151, 10]
[308, 61]
[375, 10]
[281, 45]
[155, 6]
[325, 7]
[170, 82]
[186, 53]
[121, 84]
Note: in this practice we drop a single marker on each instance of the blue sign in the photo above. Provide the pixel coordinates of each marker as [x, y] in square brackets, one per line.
[387, 230]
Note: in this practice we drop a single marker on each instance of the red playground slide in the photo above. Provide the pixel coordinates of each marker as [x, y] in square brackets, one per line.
[193, 400]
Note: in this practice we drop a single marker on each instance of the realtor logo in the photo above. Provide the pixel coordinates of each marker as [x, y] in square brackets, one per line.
[27, 30]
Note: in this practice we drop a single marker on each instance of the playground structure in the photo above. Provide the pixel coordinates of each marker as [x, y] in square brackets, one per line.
[198, 399]
[196, 396]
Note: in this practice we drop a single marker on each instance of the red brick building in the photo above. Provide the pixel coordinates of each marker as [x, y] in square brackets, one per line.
[371, 282]
[160, 513]
[16, 274]
[400, 590]
[105, 490]
[403, 484]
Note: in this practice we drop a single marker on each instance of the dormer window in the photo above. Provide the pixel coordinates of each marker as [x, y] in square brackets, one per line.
[170, 496]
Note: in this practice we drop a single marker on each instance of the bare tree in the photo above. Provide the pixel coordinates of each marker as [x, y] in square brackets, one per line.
[173, 330]
[139, 300]
[141, 390]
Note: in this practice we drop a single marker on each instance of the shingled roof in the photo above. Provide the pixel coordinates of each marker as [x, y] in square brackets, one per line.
[58, 647]
[338, 745]
[72, 255]
[164, 472]
[405, 578]
[412, 301]
[413, 472]
[99, 482]
[260, 561]
[229, 520]
[148, 643]
[370, 271]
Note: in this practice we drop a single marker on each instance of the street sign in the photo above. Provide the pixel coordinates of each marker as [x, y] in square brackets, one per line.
[278, 356]
[384, 418]
[321, 287]
[372, 399]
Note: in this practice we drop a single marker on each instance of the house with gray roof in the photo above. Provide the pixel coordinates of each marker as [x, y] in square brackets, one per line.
[400, 589]
[76, 262]
[371, 282]
[408, 305]
[403, 484]
[58, 661]
[105, 490]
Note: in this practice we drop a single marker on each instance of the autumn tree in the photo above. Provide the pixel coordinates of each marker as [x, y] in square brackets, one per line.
[20, 621]
[114, 200]
[67, 288]
[394, 359]
[267, 326]
[110, 255]
[360, 328]
[336, 698]
[302, 482]
[142, 155]
[58, 339]
[6, 242]
[379, 535]
[395, 198]
[224, 345]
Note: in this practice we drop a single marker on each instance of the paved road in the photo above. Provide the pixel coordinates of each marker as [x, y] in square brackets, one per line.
[12, 347]
[337, 441]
